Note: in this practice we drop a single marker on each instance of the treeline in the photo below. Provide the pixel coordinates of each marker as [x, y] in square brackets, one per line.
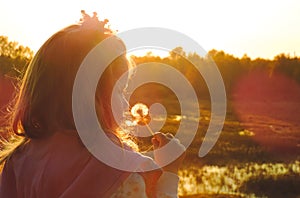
[231, 68]
[14, 59]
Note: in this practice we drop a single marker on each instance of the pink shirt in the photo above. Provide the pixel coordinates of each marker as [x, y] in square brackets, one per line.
[60, 166]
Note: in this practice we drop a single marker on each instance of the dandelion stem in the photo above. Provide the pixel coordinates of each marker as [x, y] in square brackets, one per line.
[150, 130]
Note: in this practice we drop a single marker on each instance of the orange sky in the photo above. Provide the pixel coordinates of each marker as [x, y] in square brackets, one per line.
[257, 28]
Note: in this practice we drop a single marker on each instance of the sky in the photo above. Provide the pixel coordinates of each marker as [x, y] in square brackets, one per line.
[258, 28]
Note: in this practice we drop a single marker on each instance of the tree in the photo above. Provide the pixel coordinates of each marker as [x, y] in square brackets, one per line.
[13, 57]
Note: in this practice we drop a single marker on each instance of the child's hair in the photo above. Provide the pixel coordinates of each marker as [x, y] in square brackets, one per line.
[44, 101]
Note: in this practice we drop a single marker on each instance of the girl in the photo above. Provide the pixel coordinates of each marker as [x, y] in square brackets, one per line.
[49, 159]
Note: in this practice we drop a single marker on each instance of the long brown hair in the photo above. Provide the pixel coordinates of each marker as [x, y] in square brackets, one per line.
[43, 104]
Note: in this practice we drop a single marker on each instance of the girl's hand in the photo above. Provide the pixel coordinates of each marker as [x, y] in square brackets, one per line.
[165, 157]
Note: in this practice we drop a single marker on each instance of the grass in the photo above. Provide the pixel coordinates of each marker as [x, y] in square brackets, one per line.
[241, 164]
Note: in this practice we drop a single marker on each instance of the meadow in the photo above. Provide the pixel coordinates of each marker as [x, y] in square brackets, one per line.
[239, 165]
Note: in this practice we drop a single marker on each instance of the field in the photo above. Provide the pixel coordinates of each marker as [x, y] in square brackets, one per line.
[254, 157]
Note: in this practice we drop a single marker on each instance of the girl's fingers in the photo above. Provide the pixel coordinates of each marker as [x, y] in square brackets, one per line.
[155, 143]
[171, 156]
[159, 139]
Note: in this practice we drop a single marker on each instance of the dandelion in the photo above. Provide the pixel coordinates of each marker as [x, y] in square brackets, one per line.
[140, 113]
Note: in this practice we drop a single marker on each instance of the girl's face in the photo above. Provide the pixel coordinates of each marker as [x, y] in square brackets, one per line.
[120, 104]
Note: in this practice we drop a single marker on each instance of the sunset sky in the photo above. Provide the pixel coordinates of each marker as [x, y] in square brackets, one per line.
[256, 28]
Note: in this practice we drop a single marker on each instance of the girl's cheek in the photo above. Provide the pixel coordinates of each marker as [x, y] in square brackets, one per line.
[119, 106]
